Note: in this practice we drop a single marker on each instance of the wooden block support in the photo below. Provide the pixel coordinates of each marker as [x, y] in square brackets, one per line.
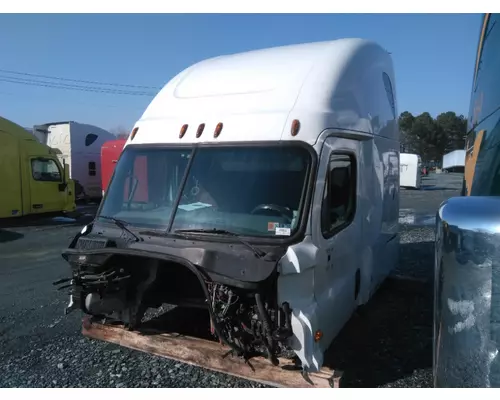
[207, 354]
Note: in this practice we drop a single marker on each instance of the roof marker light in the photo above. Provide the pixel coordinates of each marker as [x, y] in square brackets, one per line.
[183, 131]
[295, 127]
[134, 132]
[218, 130]
[200, 130]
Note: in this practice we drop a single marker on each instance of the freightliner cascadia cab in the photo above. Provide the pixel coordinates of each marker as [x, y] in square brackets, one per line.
[272, 201]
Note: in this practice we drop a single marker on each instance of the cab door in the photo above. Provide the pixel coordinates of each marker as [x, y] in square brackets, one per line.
[47, 190]
[11, 201]
[337, 233]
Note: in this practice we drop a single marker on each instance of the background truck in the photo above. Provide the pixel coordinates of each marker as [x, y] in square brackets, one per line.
[467, 250]
[110, 153]
[80, 145]
[454, 161]
[33, 179]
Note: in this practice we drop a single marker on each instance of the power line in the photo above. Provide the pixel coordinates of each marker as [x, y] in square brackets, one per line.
[54, 99]
[77, 80]
[69, 86]
[64, 86]
[78, 88]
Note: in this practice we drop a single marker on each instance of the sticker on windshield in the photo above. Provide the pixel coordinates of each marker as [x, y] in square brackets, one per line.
[282, 231]
[271, 226]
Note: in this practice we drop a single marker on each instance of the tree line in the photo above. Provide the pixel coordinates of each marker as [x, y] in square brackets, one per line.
[432, 138]
[120, 132]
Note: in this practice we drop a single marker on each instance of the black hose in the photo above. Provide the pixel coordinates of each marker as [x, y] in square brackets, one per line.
[217, 329]
[266, 322]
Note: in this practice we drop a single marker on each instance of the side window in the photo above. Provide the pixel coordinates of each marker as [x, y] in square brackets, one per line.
[339, 197]
[90, 138]
[390, 93]
[45, 170]
[92, 168]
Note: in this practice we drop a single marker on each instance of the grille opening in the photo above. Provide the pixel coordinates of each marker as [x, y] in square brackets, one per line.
[176, 303]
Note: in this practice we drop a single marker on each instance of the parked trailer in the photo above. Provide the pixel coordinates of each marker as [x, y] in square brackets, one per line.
[33, 180]
[263, 170]
[467, 279]
[410, 174]
[454, 161]
[80, 145]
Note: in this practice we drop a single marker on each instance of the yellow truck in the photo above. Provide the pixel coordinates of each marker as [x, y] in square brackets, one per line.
[33, 179]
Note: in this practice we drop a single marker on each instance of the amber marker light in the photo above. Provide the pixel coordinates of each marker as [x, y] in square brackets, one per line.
[134, 132]
[295, 127]
[183, 131]
[200, 130]
[218, 130]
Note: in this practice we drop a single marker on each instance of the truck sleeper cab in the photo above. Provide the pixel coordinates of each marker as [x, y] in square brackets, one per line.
[272, 200]
[80, 146]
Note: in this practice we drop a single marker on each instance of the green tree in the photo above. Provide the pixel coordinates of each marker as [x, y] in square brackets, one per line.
[452, 129]
[405, 121]
[432, 138]
[120, 132]
[424, 131]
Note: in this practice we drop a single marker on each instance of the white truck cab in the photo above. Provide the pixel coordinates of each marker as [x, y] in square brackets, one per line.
[260, 186]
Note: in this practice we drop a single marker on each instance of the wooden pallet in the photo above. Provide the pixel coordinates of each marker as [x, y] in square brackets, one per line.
[208, 354]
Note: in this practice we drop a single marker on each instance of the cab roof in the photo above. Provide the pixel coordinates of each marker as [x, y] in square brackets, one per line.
[15, 129]
[257, 94]
[26, 139]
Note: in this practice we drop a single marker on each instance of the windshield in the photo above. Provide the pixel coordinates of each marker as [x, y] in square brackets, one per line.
[251, 191]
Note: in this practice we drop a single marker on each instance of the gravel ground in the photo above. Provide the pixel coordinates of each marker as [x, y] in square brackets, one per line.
[387, 344]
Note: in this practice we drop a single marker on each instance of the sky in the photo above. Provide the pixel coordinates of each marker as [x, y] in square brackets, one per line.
[433, 55]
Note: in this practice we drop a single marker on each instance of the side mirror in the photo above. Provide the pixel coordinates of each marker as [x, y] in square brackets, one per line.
[64, 184]
[66, 173]
[467, 293]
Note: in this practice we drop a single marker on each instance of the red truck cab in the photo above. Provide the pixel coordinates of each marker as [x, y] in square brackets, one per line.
[110, 152]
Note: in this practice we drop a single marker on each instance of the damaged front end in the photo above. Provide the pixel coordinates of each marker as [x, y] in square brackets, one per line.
[120, 284]
[176, 249]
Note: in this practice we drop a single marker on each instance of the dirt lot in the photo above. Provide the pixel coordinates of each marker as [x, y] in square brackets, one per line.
[389, 344]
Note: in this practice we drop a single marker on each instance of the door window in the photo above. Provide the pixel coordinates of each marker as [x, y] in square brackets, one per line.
[45, 170]
[339, 197]
[92, 168]
[90, 138]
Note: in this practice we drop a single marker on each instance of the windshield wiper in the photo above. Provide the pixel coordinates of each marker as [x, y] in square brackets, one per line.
[259, 253]
[122, 224]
